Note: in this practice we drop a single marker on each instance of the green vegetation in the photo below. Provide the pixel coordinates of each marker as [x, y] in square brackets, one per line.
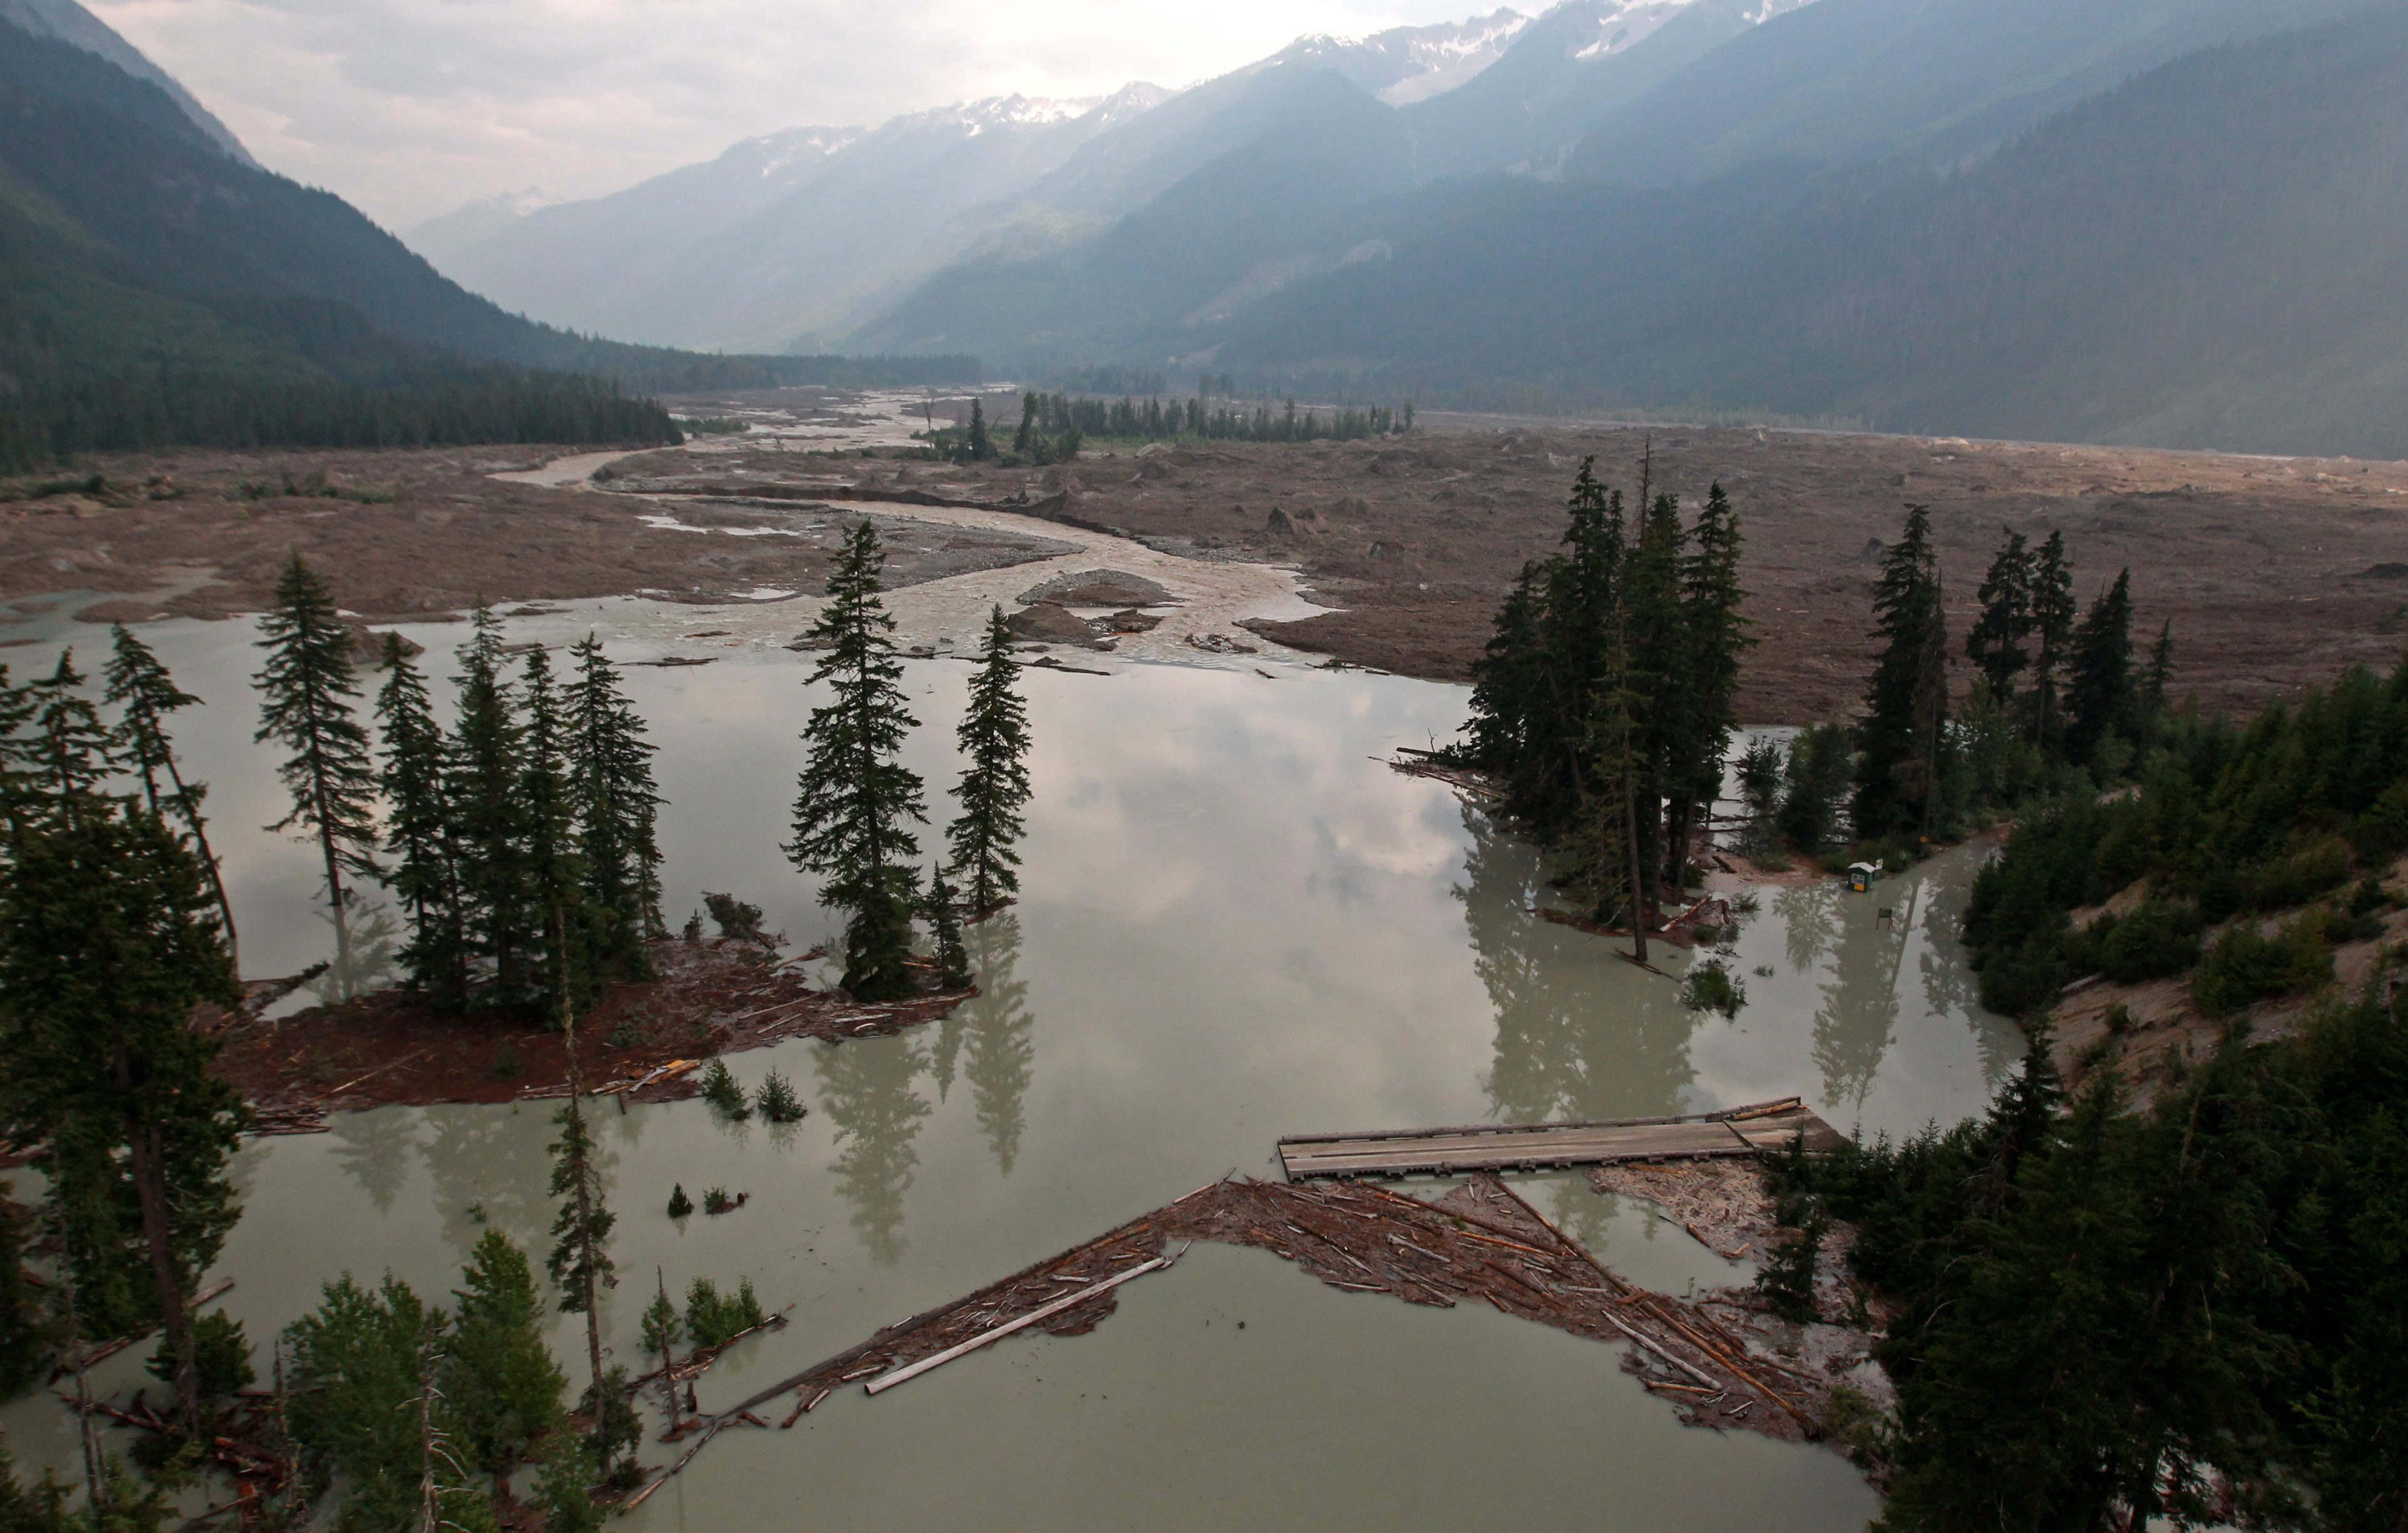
[2108, 1317]
[679, 1204]
[710, 425]
[777, 1100]
[713, 1320]
[1058, 419]
[1603, 705]
[993, 787]
[719, 1088]
[855, 800]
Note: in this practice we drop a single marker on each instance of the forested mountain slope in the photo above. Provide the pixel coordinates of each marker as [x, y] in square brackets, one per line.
[68, 22]
[151, 289]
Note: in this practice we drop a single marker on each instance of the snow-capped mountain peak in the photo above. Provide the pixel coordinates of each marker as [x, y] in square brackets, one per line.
[1410, 64]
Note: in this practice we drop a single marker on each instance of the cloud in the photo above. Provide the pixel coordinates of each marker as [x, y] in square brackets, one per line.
[410, 107]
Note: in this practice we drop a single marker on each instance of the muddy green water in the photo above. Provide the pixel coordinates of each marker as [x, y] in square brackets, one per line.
[1236, 924]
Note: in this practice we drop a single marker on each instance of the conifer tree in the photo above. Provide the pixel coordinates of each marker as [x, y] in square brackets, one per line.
[1997, 643]
[22, 1328]
[856, 800]
[1899, 743]
[305, 697]
[1608, 870]
[2159, 676]
[1704, 703]
[73, 752]
[20, 777]
[580, 1262]
[2052, 627]
[1581, 590]
[1507, 678]
[501, 1388]
[107, 941]
[419, 832]
[617, 808]
[2101, 698]
[994, 789]
[499, 906]
[144, 694]
[945, 926]
[557, 873]
[1658, 658]
[981, 447]
[1020, 439]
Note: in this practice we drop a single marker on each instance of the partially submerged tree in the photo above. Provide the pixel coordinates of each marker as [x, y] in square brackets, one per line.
[144, 694]
[610, 763]
[1906, 700]
[107, 943]
[500, 912]
[856, 801]
[307, 694]
[420, 833]
[994, 738]
[501, 1388]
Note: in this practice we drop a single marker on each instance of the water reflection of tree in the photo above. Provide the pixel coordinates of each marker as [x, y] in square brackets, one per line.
[1578, 1035]
[373, 1149]
[499, 1163]
[1858, 1017]
[866, 1089]
[1810, 921]
[364, 954]
[1002, 1037]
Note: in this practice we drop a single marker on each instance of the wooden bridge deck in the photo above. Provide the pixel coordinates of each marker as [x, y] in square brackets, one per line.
[1739, 1131]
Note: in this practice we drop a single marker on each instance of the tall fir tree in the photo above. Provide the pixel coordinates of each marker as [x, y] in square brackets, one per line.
[2103, 697]
[21, 791]
[1998, 644]
[1020, 439]
[1658, 659]
[73, 752]
[307, 692]
[1705, 698]
[2052, 626]
[2158, 679]
[420, 834]
[1507, 678]
[1900, 741]
[496, 878]
[144, 694]
[945, 928]
[108, 941]
[1581, 589]
[856, 801]
[556, 872]
[580, 1262]
[981, 447]
[994, 788]
[618, 805]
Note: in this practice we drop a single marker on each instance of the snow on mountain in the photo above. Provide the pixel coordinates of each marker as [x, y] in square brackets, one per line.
[1410, 63]
[1623, 22]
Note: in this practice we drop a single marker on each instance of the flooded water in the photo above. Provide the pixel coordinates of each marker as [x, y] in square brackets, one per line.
[1236, 924]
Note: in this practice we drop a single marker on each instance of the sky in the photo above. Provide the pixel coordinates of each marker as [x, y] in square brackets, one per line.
[409, 108]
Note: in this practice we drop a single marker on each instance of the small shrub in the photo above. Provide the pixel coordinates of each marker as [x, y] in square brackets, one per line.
[717, 1200]
[2243, 967]
[2299, 878]
[713, 1319]
[1787, 1281]
[691, 931]
[2370, 897]
[719, 1088]
[2160, 938]
[221, 1356]
[777, 1100]
[626, 1035]
[506, 1066]
[737, 921]
[1710, 987]
[679, 1204]
[2118, 1020]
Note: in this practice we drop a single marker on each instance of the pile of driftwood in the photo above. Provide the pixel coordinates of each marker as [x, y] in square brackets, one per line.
[1479, 1242]
[1432, 765]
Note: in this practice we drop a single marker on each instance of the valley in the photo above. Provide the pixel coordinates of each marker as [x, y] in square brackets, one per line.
[2275, 572]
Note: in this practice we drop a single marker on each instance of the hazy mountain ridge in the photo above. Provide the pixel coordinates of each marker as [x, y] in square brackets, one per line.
[68, 22]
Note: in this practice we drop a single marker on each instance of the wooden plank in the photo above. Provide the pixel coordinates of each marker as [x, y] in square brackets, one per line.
[1742, 1131]
[1727, 1114]
[1031, 1318]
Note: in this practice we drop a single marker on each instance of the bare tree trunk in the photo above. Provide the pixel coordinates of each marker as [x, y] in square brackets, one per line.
[94, 1485]
[150, 1194]
[209, 858]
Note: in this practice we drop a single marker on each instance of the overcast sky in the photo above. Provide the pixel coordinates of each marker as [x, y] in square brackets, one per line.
[410, 107]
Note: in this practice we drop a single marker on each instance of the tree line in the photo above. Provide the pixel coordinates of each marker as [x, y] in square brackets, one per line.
[435, 406]
[1055, 416]
[1602, 706]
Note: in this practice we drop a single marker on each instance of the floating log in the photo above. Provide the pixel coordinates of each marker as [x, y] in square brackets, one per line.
[1031, 1318]
[1496, 1146]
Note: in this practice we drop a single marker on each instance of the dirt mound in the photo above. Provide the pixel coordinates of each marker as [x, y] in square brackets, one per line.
[1098, 588]
[1050, 623]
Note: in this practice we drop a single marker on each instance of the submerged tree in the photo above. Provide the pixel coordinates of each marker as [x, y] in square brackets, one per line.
[107, 941]
[580, 1262]
[145, 695]
[994, 738]
[1714, 636]
[305, 704]
[556, 871]
[501, 1388]
[945, 925]
[856, 800]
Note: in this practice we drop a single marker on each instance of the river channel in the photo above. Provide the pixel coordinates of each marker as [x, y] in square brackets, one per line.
[1236, 923]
